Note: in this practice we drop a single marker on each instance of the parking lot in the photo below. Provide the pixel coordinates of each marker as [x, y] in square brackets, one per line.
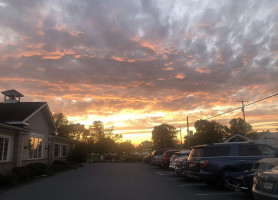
[118, 181]
[196, 189]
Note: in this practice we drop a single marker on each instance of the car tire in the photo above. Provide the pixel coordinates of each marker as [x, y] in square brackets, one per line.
[224, 180]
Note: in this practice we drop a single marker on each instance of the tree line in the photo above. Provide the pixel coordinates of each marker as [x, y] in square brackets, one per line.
[164, 136]
[93, 139]
[98, 139]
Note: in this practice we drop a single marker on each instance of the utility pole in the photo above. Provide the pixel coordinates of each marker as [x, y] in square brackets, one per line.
[187, 126]
[243, 113]
[180, 135]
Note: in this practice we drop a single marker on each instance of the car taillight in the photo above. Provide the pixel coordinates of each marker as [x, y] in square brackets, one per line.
[255, 180]
[203, 164]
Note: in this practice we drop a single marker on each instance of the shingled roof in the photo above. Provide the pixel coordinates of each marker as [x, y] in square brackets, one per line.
[11, 112]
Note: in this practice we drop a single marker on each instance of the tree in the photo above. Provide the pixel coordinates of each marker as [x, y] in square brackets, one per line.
[104, 145]
[207, 132]
[64, 127]
[80, 133]
[237, 126]
[163, 136]
[98, 132]
[125, 147]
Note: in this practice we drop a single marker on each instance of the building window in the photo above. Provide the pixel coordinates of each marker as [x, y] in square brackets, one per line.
[57, 150]
[60, 150]
[64, 150]
[4, 148]
[35, 150]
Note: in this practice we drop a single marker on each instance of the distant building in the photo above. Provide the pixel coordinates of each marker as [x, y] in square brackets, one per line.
[267, 137]
[146, 147]
[27, 134]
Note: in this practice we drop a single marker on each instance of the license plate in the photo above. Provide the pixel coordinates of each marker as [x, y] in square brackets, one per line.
[191, 164]
[268, 186]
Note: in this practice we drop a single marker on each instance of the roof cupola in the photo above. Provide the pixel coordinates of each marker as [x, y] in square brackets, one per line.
[12, 96]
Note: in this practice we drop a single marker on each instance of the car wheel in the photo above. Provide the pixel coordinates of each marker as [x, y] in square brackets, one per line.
[224, 181]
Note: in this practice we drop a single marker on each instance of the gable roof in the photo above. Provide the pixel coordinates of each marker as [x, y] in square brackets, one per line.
[237, 138]
[15, 112]
[19, 113]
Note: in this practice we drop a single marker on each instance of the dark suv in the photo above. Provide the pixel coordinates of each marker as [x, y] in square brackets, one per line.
[211, 162]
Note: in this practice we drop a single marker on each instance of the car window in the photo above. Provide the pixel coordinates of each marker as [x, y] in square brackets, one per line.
[197, 152]
[212, 151]
[217, 151]
[249, 150]
[256, 166]
[266, 150]
[182, 154]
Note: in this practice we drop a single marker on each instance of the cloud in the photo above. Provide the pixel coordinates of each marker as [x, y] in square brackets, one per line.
[139, 55]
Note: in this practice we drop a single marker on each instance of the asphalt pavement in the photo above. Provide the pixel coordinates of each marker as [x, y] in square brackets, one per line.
[118, 181]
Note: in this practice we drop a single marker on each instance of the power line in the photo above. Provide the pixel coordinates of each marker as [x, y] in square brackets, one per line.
[236, 108]
[244, 106]
[262, 99]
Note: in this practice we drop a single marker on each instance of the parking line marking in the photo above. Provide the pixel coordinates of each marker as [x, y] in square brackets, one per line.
[163, 174]
[174, 179]
[212, 194]
[191, 184]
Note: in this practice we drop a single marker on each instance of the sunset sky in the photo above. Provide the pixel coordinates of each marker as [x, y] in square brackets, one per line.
[136, 64]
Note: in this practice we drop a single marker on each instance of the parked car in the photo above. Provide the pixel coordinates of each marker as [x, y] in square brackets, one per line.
[147, 158]
[176, 155]
[180, 165]
[243, 181]
[166, 158]
[156, 157]
[211, 162]
[266, 185]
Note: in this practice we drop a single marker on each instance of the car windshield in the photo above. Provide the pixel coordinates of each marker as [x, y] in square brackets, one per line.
[168, 154]
[159, 152]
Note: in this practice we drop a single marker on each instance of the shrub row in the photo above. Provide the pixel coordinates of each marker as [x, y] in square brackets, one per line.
[132, 158]
[24, 174]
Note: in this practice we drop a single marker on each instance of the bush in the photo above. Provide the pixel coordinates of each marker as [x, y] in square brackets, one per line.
[132, 158]
[49, 171]
[63, 163]
[10, 179]
[38, 169]
[58, 168]
[23, 173]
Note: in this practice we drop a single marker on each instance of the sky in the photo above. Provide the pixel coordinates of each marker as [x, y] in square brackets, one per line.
[137, 64]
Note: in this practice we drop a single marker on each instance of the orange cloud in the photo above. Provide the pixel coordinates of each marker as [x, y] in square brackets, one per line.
[168, 69]
[180, 76]
[202, 71]
[122, 59]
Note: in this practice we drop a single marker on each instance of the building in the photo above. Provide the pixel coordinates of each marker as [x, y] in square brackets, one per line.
[237, 138]
[267, 137]
[146, 147]
[27, 133]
